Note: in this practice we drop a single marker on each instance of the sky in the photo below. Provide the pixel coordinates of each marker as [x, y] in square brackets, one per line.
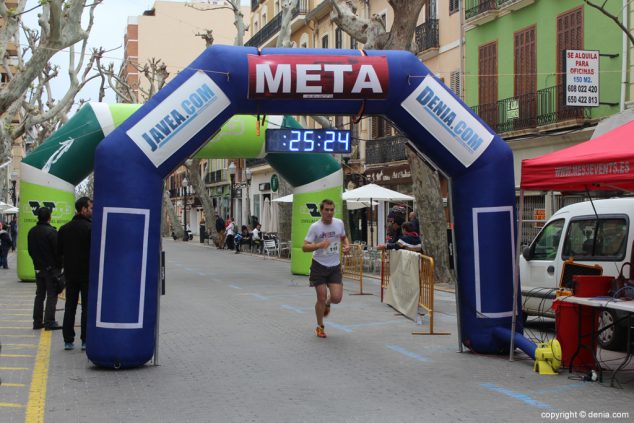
[111, 18]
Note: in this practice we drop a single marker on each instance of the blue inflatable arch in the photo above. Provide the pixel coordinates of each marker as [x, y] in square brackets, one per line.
[132, 161]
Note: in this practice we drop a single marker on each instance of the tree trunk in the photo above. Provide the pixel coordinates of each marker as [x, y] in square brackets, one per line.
[285, 211]
[198, 184]
[284, 37]
[426, 183]
[179, 232]
[433, 226]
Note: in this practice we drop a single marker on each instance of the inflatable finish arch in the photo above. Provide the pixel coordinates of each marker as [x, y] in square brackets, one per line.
[50, 173]
[132, 161]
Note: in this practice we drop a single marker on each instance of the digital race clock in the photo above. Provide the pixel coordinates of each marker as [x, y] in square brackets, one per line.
[307, 141]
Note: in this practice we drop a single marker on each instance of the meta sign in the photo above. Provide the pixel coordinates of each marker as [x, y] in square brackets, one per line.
[317, 77]
[582, 78]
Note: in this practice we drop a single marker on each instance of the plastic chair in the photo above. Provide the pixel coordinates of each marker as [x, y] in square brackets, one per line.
[270, 247]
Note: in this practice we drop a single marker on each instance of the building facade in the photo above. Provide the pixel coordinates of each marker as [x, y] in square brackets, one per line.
[515, 75]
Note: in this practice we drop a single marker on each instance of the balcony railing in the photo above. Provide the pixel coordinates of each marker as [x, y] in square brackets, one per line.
[427, 35]
[273, 26]
[474, 8]
[385, 150]
[544, 107]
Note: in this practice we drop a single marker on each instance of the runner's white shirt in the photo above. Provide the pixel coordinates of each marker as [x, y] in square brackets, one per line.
[333, 232]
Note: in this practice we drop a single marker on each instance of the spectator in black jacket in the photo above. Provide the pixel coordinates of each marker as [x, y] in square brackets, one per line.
[5, 245]
[74, 246]
[42, 246]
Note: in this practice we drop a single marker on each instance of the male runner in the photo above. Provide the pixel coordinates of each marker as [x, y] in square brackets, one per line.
[325, 237]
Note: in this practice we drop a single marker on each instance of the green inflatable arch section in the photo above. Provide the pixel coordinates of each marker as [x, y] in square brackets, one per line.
[49, 174]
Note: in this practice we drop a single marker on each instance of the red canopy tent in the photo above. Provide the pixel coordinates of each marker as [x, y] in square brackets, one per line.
[603, 163]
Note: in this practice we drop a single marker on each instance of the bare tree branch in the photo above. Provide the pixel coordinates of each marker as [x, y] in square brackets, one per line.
[615, 18]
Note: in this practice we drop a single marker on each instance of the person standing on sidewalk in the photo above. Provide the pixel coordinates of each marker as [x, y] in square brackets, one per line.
[73, 245]
[220, 228]
[324, 239]
[5, 245]
[14, 232]
[42, 246]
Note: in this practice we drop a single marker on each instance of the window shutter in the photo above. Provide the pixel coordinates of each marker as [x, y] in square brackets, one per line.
[454, 83]
[488, 83]
[569, 36]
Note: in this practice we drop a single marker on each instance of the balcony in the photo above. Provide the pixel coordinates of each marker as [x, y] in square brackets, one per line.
[385, 150]
[256, 162]
[273, 26]
[512, 5]
[479, 12]
[543, 110]
[427, 40]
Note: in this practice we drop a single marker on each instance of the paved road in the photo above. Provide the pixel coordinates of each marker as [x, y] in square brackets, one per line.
[236, 345]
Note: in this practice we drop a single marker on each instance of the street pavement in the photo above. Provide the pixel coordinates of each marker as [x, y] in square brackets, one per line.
[236, 344]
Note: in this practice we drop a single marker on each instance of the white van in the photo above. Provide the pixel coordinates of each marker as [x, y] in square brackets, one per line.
[574, 231]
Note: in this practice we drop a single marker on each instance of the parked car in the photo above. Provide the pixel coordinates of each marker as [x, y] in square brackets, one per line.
[598, 232]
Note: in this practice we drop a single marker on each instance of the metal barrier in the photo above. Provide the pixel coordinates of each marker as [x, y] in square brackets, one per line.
[385, 271]
[426, 293]
[426, 296]
[352, 266]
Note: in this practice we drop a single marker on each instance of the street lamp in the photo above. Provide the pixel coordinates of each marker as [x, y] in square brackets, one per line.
[14, 180]
[248, 174]
[232, 176]
[185, 186]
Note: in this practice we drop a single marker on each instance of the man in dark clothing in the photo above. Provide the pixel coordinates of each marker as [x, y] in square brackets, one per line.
[220, 228]
[73, 245]
[5, 245]
[42, 246]
[14, 232]
[413, 220]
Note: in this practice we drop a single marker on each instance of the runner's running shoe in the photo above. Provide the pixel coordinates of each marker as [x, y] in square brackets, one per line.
[319, 332]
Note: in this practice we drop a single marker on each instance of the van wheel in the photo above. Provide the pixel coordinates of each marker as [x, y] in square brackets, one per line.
[613, 337]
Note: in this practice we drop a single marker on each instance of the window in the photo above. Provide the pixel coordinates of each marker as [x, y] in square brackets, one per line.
[569, 37]
[324, 41]
[354, 44]
[256, 205]
[547, 242]
[339, 122]
[525, 83]
[454, 83]
[276, 7]
[603, 239]
[263, 19]
[338, 38]
[380, 127]
[454, 6]
[488, 82]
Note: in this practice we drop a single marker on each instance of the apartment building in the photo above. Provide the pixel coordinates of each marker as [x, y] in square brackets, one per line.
[146, 38]
[515, 75]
